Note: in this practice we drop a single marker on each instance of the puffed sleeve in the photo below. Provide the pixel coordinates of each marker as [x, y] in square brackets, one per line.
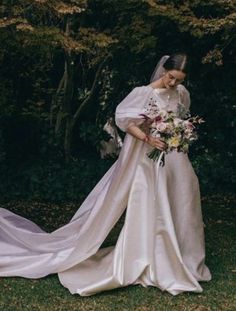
[129, 109]
[185, 100]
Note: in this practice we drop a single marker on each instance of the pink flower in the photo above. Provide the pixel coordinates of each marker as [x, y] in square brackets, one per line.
[188, 124]
[158, 119]
[161, 127]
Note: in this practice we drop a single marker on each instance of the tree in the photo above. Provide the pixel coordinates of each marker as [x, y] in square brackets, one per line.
[69, 63]
[57, 25]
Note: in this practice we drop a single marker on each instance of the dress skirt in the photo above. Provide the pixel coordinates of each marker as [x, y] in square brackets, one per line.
[162, 241]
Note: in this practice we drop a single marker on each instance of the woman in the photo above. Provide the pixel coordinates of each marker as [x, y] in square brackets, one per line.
[162, 241]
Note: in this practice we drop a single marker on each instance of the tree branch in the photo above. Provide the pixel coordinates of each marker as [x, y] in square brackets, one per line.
[83, 104]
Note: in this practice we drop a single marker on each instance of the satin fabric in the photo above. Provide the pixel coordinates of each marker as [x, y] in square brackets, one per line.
[162, 241]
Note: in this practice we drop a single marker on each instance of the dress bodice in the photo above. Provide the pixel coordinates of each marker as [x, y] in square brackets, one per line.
[166, 99]
[141, 98]
[169, 99]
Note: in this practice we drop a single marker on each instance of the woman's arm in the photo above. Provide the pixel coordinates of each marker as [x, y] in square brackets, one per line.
[139, 134]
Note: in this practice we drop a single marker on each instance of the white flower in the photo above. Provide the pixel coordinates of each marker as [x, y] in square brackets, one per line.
[163, 114]
[155, 133]
[177, 121]
[169, 127]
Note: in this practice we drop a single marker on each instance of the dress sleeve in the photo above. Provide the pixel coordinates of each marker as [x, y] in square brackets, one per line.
[129, 109]
[185, 100]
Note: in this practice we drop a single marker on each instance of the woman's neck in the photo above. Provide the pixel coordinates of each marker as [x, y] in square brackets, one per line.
[158, 84]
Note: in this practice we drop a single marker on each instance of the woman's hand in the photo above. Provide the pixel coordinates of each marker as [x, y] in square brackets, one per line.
[145, 126]
[156, 143]
[139, 134]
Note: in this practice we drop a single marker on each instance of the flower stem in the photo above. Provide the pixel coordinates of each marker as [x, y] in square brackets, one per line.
[154, 155]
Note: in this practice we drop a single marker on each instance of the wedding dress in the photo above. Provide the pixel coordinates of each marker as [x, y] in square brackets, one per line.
[161, 243]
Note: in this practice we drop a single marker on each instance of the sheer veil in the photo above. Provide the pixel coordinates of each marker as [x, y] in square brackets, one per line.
[159, 69]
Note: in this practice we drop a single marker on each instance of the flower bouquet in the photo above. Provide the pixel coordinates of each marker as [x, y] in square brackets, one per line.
[177, 133]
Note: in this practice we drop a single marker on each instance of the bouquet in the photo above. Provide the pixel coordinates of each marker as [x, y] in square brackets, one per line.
[177, 133]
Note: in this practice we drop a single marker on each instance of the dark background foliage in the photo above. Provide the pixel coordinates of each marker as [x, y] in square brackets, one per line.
[65, 65]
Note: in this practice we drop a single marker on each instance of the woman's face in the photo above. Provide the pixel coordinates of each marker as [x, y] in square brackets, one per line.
[172, 78]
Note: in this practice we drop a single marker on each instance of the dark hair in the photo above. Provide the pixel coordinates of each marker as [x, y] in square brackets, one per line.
[177, 61]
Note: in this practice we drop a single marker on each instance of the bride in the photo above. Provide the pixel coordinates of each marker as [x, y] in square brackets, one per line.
[161, 243]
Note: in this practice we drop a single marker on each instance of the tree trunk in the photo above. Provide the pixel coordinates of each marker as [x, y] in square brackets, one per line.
[67, 104]
[66, 118]
[66, 86]
[55, 103]
[68, 139]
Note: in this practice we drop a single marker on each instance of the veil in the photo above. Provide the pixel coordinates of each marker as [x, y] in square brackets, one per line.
[159, 70]
[126, 112]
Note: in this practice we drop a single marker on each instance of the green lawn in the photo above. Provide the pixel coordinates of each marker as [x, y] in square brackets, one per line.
[47, 294]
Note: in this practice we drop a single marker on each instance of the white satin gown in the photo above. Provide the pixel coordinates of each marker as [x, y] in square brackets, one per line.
[161, 243]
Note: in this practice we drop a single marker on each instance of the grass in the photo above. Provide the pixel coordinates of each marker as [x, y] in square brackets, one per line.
[48, 294]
